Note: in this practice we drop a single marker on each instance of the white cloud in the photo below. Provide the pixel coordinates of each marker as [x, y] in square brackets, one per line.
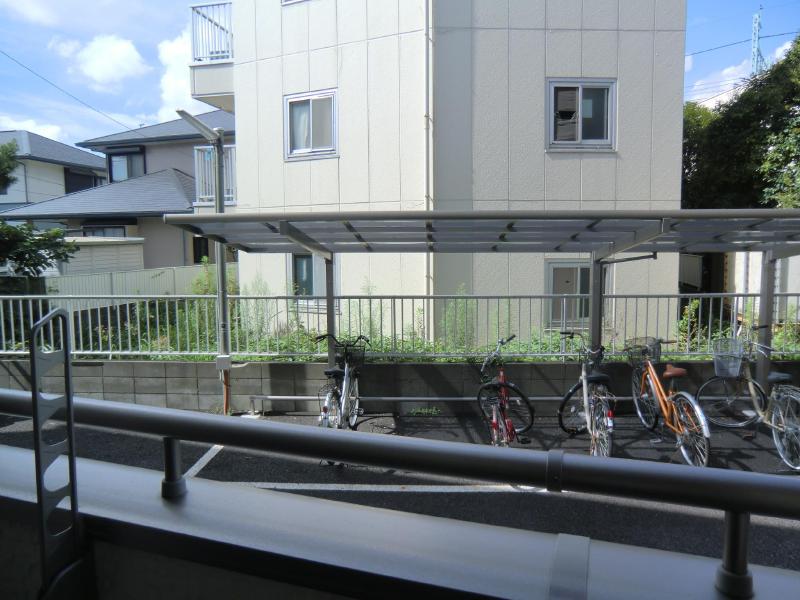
[175, 56]
[720, 86]
[35, 11]
[688, 63]
[65, 48]
[781, 51]
[107, 60]
[51, 131]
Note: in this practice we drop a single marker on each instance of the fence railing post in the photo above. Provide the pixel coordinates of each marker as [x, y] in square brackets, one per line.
[734, 580]
[173, 485]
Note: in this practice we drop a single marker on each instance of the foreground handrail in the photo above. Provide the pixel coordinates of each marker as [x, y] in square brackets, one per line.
[735, 491]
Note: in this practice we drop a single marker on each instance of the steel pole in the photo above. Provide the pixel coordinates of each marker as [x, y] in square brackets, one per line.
[330, 313]
[223, 331]
[765, 315]
[596, 302]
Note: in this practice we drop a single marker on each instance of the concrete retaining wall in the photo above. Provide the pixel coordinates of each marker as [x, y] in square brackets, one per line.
[196, 386]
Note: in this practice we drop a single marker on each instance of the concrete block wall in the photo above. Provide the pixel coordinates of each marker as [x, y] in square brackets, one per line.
[196, 386]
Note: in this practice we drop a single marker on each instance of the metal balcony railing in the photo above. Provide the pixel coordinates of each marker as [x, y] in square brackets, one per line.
[205, 168]
[212, 32]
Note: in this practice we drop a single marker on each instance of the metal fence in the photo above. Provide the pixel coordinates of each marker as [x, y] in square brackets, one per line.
[212, 32]
[398, 326]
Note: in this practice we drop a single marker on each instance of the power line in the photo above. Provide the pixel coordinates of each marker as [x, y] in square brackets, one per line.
[63, 91]
[748, 40]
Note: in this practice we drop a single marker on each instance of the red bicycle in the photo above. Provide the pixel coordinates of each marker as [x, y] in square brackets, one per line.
[506, 411]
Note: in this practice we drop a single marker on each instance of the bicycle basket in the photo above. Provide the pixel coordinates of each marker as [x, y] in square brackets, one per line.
[728, 355]
[353, 355]
[643, 348]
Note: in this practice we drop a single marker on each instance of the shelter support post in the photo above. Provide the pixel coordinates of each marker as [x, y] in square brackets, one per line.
[330, 311]
[596, 302]
[223, 333]
[766, 312]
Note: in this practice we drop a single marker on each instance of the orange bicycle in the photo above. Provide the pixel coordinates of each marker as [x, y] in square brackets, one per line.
[681, 412]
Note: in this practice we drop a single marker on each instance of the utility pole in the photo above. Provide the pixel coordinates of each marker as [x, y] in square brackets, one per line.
[216, 137]
[757, 61]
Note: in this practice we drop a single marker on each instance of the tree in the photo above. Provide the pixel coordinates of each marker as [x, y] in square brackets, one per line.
[8, 162]
[29, 251]
[726, 150]
[781, 166]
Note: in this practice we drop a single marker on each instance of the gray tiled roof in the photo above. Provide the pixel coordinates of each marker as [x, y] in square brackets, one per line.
[171, 130]
[167, 191]
[36, 147]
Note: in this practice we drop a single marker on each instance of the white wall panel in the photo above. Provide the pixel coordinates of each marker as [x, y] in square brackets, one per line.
[564, 14]
[599, 54]
[384, 120]
[322, 24]
[351, 20]
[353, 125]
[600, 14]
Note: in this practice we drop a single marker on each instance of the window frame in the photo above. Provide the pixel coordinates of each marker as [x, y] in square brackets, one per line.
[127, 153]
[311, 154]
[85, 229]
[288, 2]
[607, 145]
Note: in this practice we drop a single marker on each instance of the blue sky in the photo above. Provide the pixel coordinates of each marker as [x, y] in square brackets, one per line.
[128, 58]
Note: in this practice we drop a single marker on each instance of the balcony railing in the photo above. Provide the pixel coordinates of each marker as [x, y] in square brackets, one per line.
[398, 326]
[212, 32]
[205, 168]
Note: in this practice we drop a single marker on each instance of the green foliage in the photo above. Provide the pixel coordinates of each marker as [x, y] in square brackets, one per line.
[206, 282]
[781, 166]
[8, 162]
[724, 151]
[31, 251]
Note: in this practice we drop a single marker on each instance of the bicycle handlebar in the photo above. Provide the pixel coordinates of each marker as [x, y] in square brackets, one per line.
[319, 338]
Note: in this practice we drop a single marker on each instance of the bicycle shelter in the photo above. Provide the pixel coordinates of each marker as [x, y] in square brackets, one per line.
[603, 234]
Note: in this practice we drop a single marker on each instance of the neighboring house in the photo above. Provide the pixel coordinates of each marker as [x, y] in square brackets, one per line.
[126, 218]
[450, 105]
[47, 169]
[173, 145]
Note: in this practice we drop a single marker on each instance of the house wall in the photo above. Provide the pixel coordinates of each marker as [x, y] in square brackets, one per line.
[165, 246]
[105, 258]
[44, 181]
[373, 54]
[492, 62]
[160, 156]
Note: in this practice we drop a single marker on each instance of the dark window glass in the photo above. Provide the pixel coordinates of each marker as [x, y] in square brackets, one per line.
[303, 275]
[594, 114]
[566, 114]
[199, 249]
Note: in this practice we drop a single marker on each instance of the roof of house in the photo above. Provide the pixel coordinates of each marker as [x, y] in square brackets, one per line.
[36, 147]
[154, 194]
[162, 132]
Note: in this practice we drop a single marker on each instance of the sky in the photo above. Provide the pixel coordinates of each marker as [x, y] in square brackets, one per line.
[129, 59]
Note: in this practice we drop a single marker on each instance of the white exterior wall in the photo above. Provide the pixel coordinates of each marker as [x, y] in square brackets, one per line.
[372, 53]
[44, 181]
[492, 62]
[105, 257]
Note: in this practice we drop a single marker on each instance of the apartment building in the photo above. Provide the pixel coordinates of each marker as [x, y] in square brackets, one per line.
[450, 105]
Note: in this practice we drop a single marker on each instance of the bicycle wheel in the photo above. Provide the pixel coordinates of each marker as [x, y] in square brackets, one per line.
[730, 402]
[571, 413]
[644, 398]
[692, 437]
[352, 403]
[785, 422]
[331, 414]
[519, 409]
[601, 438]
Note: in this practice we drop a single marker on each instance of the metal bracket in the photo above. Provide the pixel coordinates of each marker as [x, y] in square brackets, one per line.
[301, 239]
[785, 251]
[614, 261]
[640, 237]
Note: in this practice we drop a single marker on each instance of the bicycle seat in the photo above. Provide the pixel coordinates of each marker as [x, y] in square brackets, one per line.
[672, 372]
[598, 378]
[776, 377]
[334, 373]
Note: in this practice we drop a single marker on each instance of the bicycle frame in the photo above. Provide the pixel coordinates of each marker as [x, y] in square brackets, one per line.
[667, 408]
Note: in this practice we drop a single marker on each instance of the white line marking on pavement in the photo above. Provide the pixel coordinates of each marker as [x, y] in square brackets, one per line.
[203, 461]
[367, 487]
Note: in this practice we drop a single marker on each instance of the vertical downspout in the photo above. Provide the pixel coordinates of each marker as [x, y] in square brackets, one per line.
[428, 157]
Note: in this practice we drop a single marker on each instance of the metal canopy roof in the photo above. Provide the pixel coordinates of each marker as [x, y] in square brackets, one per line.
[602, 232]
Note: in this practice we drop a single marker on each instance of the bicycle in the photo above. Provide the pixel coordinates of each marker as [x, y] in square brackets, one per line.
[506, 411]
[681, 412]
[732, 398]
[591, 410]
[341, 405]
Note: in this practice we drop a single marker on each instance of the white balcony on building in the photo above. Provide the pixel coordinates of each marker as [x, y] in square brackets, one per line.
[212, 54]
[205, 167]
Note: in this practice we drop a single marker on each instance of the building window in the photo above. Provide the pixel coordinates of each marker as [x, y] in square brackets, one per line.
[4, 190]
[199, 249]
[582, 114]
[126, 166]
[303, 274]
[205, 169]
[310, 125]
[104, 231]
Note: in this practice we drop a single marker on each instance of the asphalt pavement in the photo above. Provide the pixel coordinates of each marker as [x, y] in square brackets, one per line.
[774, 542]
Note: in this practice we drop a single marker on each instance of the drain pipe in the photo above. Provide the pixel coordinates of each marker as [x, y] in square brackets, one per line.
[428, 161]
